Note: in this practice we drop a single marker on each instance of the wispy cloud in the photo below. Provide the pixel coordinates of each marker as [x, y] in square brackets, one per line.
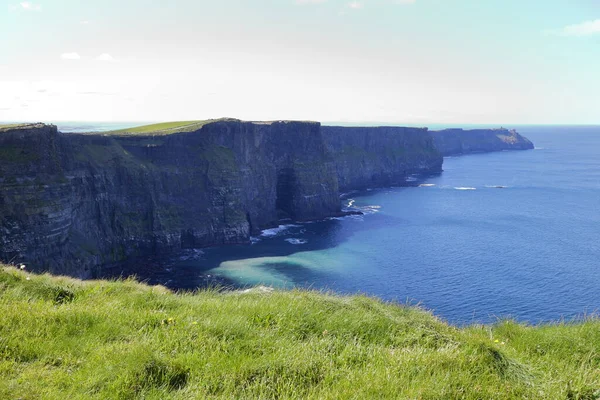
[310, 1]
[84, 22]
[105, 57]
[405, 2]
[28, 6]
[70, 56]
[586, 28]
[355, 5]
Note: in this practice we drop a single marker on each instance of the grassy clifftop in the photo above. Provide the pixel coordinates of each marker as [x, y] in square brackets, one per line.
[167, 128]
[61, 338]
[163, 128]
[8, 127]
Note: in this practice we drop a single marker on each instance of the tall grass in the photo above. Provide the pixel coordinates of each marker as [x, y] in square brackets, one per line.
[65, 339]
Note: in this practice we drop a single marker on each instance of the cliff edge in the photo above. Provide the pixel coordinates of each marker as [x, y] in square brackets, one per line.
[459, 141]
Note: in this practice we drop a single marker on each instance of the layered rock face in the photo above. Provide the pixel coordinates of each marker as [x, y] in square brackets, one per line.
[368, 157]
[459, 141]
[70, 203]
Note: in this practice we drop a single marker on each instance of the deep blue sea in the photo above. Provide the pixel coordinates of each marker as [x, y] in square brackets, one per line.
[460, 246]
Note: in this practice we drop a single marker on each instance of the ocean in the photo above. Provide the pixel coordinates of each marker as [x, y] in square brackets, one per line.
[498, 235]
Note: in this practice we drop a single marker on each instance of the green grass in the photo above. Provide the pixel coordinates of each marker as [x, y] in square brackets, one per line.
[65, 339]
[166, 128]
[6, 127]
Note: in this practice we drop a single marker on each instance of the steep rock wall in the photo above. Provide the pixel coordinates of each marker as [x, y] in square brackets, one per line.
[459, 141]
[71, 203]
[367, 157]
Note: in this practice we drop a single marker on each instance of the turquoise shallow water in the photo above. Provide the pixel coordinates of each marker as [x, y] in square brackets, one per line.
[464, 248]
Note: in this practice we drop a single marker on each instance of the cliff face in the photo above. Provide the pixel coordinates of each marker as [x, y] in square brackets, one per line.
[69, 203]
[459, 141]
[367, 157]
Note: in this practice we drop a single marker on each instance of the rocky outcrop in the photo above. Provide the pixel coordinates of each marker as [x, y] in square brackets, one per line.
[70, 203]
[368, 157]
[459, 141]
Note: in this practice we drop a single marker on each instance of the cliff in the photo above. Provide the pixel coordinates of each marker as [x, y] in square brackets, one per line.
[459, 141]
[368, 157]
[72, 202]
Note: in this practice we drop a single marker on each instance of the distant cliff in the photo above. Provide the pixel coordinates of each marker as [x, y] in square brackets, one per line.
[459, 141]
[368, 157]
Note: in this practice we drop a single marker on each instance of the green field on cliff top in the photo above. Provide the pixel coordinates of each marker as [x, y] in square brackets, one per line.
[62, 338]
[4, 127]
[164, 128]
[167, 128]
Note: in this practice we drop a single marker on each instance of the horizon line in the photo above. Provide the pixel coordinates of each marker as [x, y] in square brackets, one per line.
[332, 122]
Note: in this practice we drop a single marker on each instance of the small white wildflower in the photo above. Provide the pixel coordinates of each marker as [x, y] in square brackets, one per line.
[28, 279]
[22, 266]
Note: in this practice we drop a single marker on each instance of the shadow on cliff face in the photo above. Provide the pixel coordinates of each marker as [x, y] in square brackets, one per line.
[286, 181]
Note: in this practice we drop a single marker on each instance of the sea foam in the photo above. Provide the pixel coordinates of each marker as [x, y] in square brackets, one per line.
[279, 230]
[296, 241]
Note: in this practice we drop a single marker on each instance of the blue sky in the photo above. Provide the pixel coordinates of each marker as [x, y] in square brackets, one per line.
[400, 61]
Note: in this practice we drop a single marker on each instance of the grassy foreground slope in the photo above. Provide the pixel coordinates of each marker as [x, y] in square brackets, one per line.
[66, 339]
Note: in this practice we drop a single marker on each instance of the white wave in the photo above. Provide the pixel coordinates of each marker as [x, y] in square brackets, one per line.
[427, 185]
[411, 179]
[496, 186]
[539, 148]
[254, 239]
[345, 217]
[296, 241]
[465, 188]
[276, 231]
[342, 195]
[350, 203]
[370, 209]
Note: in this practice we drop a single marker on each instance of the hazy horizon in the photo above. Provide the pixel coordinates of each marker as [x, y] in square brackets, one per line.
[410, 62]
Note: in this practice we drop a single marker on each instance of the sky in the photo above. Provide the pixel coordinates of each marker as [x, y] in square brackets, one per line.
[394, 61]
